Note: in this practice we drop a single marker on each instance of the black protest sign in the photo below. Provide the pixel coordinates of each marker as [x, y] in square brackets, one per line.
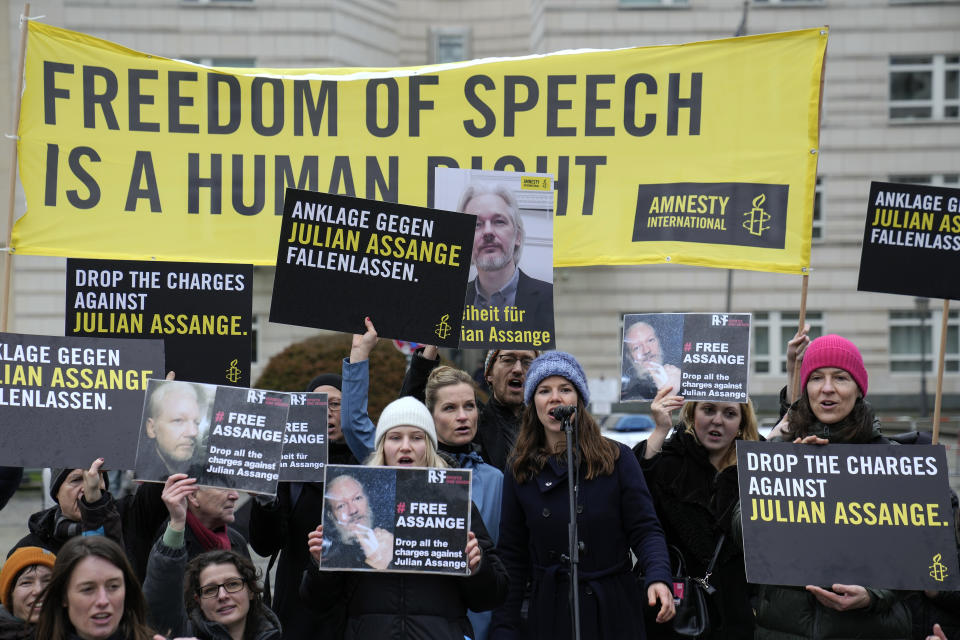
[703, 356]
[509, 298]
[411, 520]
[873, 515]
[201, 311]
[64, 402]
[741, 214]
[911, 241]
[246, 440]
[341, 259]
[223, 436]
[305, 439]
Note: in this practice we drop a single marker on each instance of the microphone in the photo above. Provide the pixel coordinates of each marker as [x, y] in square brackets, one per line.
[561, 413]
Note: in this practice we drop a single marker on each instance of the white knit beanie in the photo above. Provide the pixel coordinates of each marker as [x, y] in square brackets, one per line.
[406, 412]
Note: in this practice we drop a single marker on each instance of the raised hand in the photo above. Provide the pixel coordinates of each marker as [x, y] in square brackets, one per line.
[175, 491]
[363, 343]
[91, 482]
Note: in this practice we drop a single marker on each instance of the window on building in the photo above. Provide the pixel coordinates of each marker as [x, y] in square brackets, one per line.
[925, 87]
[771, 331]
[449, 44]
[817, 231]
[915, 341]
[934, 179]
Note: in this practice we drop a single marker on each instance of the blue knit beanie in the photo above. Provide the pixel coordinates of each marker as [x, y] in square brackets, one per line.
[556, 363]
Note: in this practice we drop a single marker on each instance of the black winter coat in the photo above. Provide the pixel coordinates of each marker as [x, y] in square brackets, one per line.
[615, 516]
[410, 606]
[13, 628]
[282, 527]
[131, 521]
[695, 504]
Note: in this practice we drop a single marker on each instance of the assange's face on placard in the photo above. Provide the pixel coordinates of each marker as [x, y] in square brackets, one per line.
[496, 237]
[348, 503]
[643, 346]
[176, 425]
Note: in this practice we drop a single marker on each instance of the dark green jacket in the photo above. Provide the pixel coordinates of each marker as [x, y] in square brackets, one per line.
[792, 613]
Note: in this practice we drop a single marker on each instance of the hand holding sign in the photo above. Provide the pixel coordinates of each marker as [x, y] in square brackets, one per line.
[363, 343]
[175, 491]
[473, 552]
[841, 597]
[91, 481]
[315, 543]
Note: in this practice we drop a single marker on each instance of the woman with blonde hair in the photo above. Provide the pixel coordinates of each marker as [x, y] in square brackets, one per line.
[381, 604]
[692, 475]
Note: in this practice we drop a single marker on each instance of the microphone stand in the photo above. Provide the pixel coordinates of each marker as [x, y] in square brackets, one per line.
[573, 488]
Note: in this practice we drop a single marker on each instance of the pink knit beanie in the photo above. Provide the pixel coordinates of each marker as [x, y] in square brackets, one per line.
[834, 351]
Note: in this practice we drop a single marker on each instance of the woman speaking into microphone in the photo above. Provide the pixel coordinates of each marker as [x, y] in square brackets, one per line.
[614, 512]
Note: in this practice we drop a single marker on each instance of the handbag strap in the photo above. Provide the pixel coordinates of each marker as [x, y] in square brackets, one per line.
[705, 580]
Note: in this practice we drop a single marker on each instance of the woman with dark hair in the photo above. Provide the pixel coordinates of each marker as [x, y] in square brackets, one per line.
[692, 475]
[831, 409]
[615, 516]
[93, 595]
[216, 596]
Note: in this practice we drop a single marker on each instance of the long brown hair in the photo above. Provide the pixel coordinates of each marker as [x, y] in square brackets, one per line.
[54, 622]
[530, 454]
[249, 573]
[748, 429]
[855, 427]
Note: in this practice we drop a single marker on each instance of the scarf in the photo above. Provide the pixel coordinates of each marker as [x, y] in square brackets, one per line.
[208, 538]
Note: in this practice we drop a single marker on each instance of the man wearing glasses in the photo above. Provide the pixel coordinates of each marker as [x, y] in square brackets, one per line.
[505, 371]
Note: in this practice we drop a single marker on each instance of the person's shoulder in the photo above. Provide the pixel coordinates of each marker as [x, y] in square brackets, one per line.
[533, 285]
[625, 452]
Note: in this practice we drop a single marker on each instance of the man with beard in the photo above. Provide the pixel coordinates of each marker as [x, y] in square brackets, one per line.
[643, 368]
[279, 527]
[358, 544]
[497, 245]
[172, 429]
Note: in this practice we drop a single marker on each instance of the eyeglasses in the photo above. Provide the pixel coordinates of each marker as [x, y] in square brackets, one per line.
[333, 405]
[230, 586]
[511, 360]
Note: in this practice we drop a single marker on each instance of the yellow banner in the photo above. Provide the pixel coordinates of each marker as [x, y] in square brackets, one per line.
[702, 153]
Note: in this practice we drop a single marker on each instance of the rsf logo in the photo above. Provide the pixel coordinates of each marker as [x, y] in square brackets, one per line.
[718, 319]
[436, 476]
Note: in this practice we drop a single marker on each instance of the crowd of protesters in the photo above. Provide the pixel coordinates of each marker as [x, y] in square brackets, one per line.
[165, 562]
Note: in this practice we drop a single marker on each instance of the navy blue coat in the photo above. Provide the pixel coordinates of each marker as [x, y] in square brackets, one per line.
[616, 515]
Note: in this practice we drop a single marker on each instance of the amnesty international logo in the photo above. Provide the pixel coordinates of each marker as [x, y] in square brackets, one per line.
[443, 328]
[757, 217]
[739, 214]
[234, 372]
[938, 570]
